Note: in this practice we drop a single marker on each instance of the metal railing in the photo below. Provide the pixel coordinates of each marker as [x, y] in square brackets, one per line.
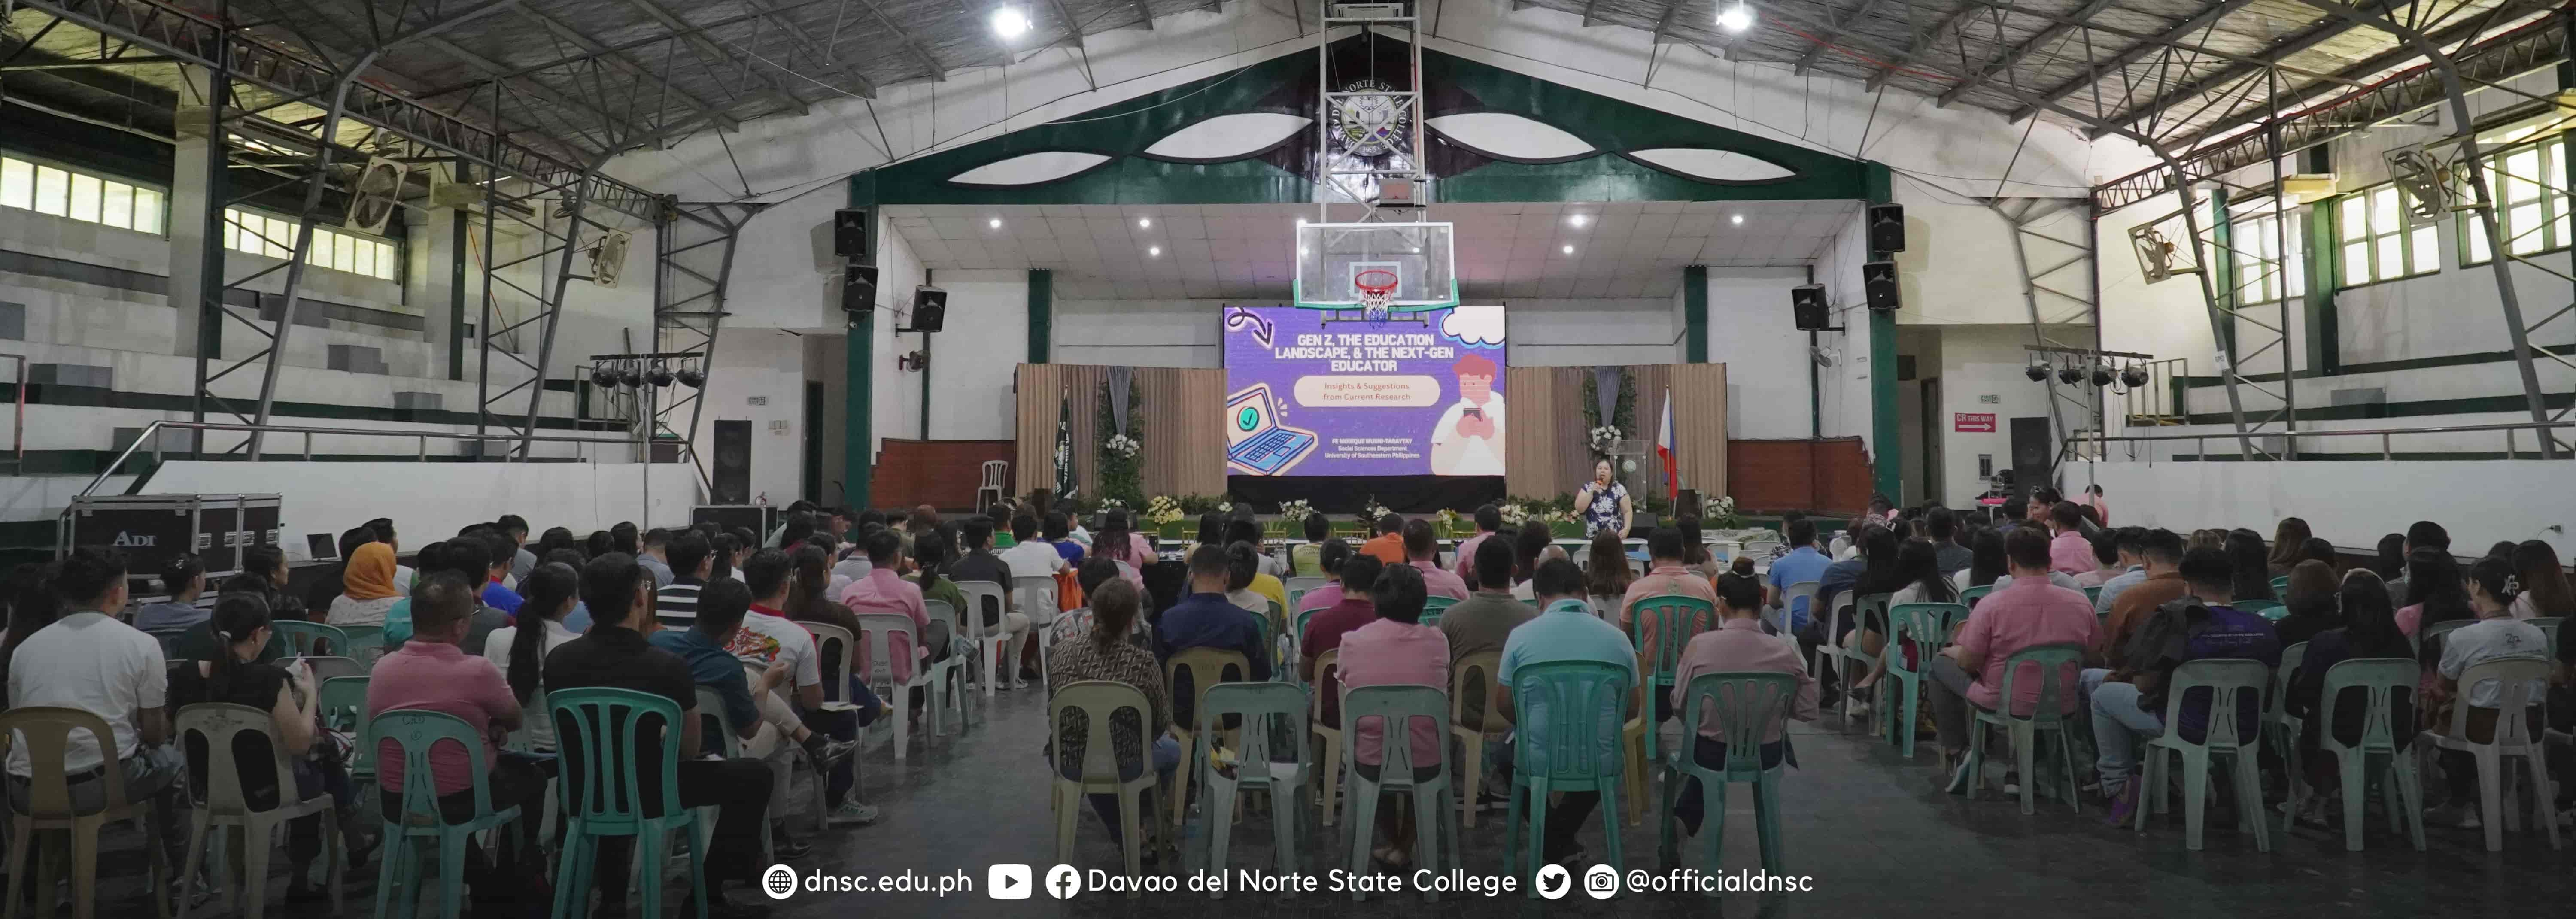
[152, 434]
[2155, 404]
[2290, 439]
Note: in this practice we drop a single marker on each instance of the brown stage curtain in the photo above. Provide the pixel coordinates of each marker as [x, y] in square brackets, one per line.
[1182, 411]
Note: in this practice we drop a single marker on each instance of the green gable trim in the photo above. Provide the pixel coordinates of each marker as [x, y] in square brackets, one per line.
[1123, 131]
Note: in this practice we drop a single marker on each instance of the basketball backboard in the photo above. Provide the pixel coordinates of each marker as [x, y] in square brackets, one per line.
[1330, 257]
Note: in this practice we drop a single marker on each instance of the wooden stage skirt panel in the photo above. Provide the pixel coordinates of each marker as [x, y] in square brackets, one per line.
[939, 473]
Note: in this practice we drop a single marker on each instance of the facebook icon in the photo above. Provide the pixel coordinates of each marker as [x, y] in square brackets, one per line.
[1063, 881]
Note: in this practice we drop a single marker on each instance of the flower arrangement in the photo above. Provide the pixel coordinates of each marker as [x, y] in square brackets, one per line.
[1448, 520]
[1717, 512]
[1225, 507]
[1514, 514]
[1109, 504]
[1296, 512]
[1164, 509]
[1122, 445]
[1376, 510]
[1603, 438]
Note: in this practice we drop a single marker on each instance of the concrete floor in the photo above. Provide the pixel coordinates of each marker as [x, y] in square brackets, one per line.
[1872, 831]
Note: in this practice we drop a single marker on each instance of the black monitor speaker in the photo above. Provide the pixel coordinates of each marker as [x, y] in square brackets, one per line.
[1807, 303]
[850, 233]
[858, 288]
[1887, 227]
[929, 309]
[1878, 279]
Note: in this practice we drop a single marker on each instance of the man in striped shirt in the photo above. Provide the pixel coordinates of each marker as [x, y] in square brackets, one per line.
[676, 604]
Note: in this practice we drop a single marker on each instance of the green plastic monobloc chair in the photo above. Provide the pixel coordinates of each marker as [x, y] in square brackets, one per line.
[2045, 663]
[1435, 817]
[2382, 680]
[1970, 595]
[1927, 627]
[1432, 607]
[596, 732]
[1868, 612]
[1571, 714]
[300, 636]
[1748, 705]
[410, 835]
[2230, 687]
[1256, 767]
[1671, 619]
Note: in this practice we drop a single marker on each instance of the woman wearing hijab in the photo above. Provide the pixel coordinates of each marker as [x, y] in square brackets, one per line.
[369, 590]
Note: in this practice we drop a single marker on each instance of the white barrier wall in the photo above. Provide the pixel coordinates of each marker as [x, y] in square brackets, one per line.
[431, 501]
[2350, 504]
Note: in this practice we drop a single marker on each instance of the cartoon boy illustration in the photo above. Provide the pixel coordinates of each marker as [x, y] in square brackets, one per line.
[1469, 438]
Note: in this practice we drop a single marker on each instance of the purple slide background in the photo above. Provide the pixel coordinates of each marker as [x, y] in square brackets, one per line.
[1249, 361]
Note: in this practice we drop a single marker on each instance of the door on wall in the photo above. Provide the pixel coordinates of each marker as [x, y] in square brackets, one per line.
[2034, 451]
[730, 476]
[813, 453]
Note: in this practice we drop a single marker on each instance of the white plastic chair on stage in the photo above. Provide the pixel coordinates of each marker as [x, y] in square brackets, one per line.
[997, 478]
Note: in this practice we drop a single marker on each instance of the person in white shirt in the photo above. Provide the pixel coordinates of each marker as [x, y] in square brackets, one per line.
[88, 660]
[1468, 439]
[1030, 556]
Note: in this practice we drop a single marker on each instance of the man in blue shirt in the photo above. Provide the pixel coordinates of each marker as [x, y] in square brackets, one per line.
[1802, 564]
[722, 604]
[1566, 631]
[1205, 619]
[502, 553]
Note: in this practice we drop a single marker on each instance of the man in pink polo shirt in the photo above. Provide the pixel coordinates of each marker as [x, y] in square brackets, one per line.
[1489, 520]
[1419, 550]
[2029, 611]
[431, 673]
[1396, 650]
[884, 591]
[2068, 550]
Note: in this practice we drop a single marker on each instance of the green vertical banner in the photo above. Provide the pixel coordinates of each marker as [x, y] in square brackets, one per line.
[1064, 487]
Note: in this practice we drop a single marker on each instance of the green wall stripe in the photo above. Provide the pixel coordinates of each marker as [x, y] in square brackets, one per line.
[2416, 409]
[1695, 314]
[2414, 363]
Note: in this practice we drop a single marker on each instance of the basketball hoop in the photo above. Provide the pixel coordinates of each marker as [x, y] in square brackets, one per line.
[1377, 289]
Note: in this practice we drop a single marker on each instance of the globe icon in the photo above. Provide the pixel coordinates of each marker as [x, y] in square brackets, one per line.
[779, 881]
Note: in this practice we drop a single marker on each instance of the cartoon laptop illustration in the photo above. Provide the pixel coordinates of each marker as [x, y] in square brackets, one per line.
[1256, 444]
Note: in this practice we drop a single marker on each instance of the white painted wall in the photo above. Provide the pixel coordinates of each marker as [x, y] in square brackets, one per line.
[1588, 333]
[444, 497]
[1844, 387]
[767, 364]
[2348, 503]
[1987, 360]
[1752, 332]
[973, 362]
[1139, 333]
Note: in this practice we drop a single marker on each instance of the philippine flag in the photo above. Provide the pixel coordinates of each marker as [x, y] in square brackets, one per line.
[1664, 450]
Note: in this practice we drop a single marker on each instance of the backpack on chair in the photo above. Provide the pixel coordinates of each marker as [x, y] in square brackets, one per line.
[2161, 643]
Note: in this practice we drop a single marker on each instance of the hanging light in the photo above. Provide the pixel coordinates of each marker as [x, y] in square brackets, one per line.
[2037, 371]
[692, 377]
[1735, 18]
[2070, 374]
[628, 377]
[660, 375]
[603, 376]
[2133, 376]
[2101, 374]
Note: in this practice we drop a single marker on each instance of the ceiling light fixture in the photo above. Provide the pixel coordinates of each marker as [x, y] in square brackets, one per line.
[1145, 223]
[995, 223]
[1578, 220]
[1737, 220]
[1155, 251]
[1009, 22]
[1569, 250]
[1735, 18]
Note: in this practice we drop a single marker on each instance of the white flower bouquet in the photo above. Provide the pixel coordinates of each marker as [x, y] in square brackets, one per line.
[1603, 438]
[1122, 445]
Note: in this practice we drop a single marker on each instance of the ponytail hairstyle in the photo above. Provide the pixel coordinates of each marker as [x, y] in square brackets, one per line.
[181, 571]
[931, 551]
[238, 618]
[549, 591]
[2496, 576]
[727, 545]
[809, 576]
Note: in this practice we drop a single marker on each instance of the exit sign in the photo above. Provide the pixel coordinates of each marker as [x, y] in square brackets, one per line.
[1972, 422]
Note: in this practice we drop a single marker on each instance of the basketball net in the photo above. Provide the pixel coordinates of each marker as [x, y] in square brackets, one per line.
[1377, 289]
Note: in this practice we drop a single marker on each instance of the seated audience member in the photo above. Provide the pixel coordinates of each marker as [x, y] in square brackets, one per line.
[1847, 573]
[368, 588]
[1942, 527]
[1028, 555]
[1606, 573]
[1531, 545]
[1986, 553]
[1738, 645]
[808, 582]
[1325, 631]
[1421, 551]
[468, 558]
[1306, 559]
[1331, 556]
[1695, 553]
[656, 555]
[1206, 619]
[2289, 540]
[1970, 671]
[184, 579]
[516, 527]
[981, 564]
[1396, 650]
[692, 561]
[2129, 568]
[66, 648]
[1242, 565]
[550, 591]
[1106, 653]
[936, 552]
[2160, 582]
[318, 762]
[1056, 529]
[852, 563]
[750, 702]
[1565, 630]
[1073, 625]
[1665, 576]
[616, 655]
[2316, 549]
[1483, 622]
[2494, 636]
[2106, 552]
[1388, 545]
[2310, 604]
[2069, 552]
[1489, 524]
[2368, 629]
[1265, 570]
[2436, 591]
[1801, 564]
[329, 580]
[2545, 589]
[1918, 567]
[1211, 533]
[2253, 578]
[430, 672]
[882, 591]
[2201, 626]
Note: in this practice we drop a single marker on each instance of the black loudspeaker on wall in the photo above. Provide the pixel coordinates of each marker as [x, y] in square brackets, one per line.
[850, 233]
[929, 309]
[730, 474]
[1878, 279]
[1807, 303]
[1887, 227]
[858, 288]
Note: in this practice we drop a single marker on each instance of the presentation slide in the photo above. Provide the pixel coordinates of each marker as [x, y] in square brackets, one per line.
[1326, 392]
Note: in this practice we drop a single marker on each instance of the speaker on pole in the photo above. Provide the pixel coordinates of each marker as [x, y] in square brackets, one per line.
[929, 309]
[1887, 227]
[1807, 304]
[858, 288]
[1878, 279]
[850, 233]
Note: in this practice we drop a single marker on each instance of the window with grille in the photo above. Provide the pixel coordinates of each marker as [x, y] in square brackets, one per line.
[2527, 185]
[339, 250]
[2377, 243]
[2266, 269]
[48, 189]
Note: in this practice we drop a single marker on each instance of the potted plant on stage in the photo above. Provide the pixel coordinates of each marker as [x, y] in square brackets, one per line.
[1165, 515]
[1292, 520]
